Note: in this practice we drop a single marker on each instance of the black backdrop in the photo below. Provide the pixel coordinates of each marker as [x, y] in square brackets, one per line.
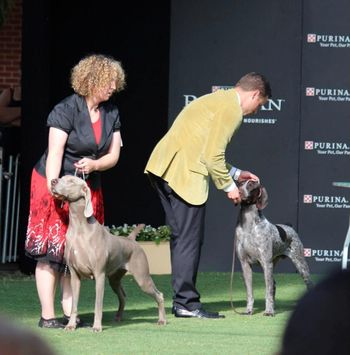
[325, 127]
[240, 39]
[298, 144]
[298, 45]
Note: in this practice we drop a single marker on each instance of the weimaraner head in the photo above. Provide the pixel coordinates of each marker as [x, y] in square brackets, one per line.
[252, 193]
[72, 188]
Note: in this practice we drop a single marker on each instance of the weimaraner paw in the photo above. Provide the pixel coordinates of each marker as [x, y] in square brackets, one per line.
[70, 328]
[269, 313]
[97, 329]
[161, 322]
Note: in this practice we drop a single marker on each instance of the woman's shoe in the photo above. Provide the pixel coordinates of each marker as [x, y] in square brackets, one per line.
[50, 323]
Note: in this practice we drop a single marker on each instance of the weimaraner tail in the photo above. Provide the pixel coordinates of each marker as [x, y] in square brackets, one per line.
[135, 232]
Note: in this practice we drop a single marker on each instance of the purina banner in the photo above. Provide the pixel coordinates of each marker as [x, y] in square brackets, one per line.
[299, 143]
[325, 132]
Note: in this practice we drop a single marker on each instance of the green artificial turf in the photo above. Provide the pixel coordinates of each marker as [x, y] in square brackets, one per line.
[139, 333]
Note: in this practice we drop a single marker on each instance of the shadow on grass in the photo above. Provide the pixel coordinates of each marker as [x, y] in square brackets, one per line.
[140, 308]
[281, 306]
[131, 317]
[149, 315]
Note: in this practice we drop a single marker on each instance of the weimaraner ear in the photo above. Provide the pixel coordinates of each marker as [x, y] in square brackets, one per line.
[263, 199]
[88, 211]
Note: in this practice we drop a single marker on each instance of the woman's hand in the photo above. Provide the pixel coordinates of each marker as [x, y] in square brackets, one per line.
[49, 186]
[86, 165]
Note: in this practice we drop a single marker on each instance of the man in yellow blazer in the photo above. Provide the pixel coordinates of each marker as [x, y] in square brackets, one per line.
[179, 168]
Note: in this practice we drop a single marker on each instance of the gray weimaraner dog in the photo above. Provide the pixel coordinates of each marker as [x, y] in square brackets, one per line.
[92, 252]
[259, 241]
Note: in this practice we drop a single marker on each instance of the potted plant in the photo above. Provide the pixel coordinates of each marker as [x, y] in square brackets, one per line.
[155, 243]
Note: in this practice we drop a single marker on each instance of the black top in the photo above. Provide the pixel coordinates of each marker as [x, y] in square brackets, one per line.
[71, 115]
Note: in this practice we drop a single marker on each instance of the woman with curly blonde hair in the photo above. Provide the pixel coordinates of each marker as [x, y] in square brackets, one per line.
[84, 139]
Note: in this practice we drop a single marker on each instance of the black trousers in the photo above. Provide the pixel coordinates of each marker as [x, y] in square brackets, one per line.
[187, 224]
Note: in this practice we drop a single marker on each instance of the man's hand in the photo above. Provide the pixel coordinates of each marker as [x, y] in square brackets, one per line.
[234, 196]
[247, 175]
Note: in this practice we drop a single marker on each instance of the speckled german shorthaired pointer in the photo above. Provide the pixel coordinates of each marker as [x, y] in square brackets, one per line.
[259, 241]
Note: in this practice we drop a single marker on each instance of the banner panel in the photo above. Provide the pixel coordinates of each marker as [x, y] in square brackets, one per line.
[325, 139]
[210, 50]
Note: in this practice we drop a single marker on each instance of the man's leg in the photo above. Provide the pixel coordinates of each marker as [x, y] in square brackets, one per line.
[187, 224]
[185, 253]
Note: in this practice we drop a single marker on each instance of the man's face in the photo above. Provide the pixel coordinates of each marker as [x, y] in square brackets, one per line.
[255, 103]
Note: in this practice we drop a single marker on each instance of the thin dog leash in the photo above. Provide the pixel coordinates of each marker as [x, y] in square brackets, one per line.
[75, 174]
[84, 178]
[232, 272]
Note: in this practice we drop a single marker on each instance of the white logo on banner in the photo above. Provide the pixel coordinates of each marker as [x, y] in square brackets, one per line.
[270, 106]
[324, 255]
[328, 148]
[310, 91]
[328, 94]
[189, 98]
[311, 38]
[331, 202]
[220, 87]
[329, 41]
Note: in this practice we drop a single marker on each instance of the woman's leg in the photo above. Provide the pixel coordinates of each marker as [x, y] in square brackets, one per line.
[46, 281]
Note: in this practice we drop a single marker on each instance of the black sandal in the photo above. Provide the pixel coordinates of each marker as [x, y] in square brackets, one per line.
[52, 323]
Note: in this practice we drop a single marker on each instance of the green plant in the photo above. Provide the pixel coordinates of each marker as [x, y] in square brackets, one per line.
[148, 234]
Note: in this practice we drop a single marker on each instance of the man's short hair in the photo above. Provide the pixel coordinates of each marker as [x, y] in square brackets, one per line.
[255, 81]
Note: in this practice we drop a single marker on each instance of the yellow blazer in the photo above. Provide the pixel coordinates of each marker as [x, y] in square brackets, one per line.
[194, 147]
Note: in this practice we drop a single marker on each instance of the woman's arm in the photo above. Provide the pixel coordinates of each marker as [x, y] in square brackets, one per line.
[57, 142]
[106, 162]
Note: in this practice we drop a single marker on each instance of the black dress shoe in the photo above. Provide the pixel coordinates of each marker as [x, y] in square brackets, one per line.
[178, 308]
[50, 323]
[196, 313]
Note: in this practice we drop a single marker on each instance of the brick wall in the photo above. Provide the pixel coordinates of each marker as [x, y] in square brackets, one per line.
[11, 47]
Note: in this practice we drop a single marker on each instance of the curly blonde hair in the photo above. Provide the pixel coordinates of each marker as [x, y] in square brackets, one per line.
[95, 72]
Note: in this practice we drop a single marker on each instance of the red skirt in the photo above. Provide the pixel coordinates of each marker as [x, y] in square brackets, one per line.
[48, 221]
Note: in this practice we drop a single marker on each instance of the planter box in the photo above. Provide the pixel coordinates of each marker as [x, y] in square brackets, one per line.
[158, 256]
